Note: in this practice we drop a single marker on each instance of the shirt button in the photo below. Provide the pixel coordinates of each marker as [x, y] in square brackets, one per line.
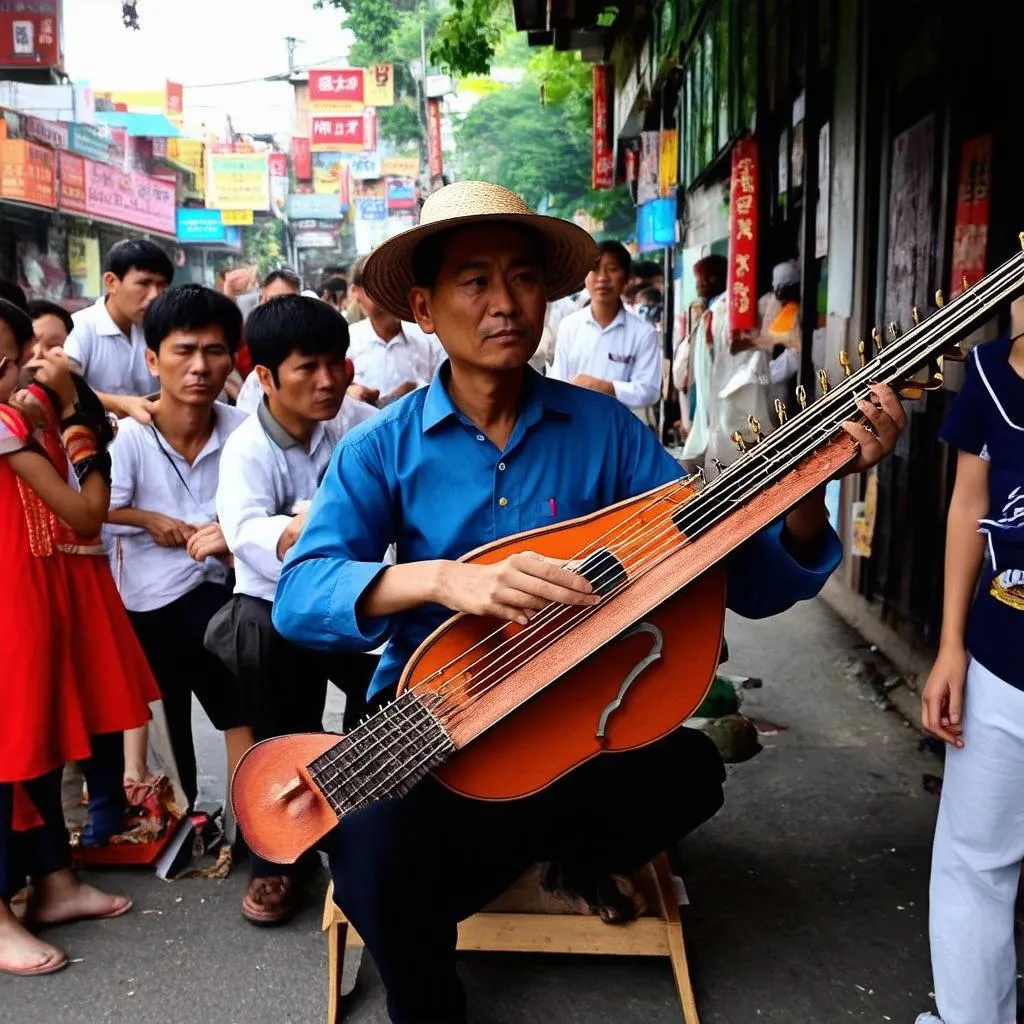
[501, 465]
[503, 502]
[479, 437]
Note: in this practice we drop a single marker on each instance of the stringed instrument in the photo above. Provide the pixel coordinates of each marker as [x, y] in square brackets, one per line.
[498, 710]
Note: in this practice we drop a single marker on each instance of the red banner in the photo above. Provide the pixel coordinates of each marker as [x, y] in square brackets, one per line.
[71, 193]
[175, 99]
[278, 163]
[345, 133]
[27, 172]
[970, 231]
[30, 34]
[434, 138]
[604, 164]
[743, 193]
[342, 86]
[302, 159]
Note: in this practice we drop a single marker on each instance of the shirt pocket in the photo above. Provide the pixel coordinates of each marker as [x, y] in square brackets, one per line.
[552, 511]
[620, 365]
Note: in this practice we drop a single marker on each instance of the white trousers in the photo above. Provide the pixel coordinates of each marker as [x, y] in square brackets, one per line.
[976, 858]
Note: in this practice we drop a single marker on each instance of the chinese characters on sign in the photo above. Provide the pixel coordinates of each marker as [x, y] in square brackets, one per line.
[27, 172]
[30, 34]
[72, 182]
[743, 196]
[379, 86]
[434, 138]
[336, 90]
[130, 198]
[603, 175]
[237, 181]
[668, 163]
[970, 231]
[345, 133]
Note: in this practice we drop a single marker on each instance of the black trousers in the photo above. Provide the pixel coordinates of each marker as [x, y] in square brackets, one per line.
[407, 871]
[38, 851]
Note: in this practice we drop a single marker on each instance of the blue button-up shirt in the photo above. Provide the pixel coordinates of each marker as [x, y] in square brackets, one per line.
[421, 475]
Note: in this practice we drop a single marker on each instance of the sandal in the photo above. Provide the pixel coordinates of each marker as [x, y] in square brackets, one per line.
[269, 901]
[613, 898]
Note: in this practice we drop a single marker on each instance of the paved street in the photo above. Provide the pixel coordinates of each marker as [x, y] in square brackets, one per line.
[808, 893]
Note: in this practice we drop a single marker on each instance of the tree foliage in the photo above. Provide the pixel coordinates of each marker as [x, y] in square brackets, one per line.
[469, 34]
[264, 245]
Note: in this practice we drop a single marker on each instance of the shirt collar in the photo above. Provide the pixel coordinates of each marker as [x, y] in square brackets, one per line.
[620, 318]
[279, 435]
[105, 322]
[540, 396]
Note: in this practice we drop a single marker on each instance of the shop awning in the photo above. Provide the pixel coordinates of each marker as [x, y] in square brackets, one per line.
[153, 126]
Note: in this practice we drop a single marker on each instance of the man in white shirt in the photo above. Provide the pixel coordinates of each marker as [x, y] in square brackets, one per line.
[168, 553]
[391, 357]
[107, 345]
[606, 348]
[269, 472]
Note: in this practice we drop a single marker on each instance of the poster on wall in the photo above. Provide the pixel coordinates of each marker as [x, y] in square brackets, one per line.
[743, 197]
[973, 198]
[603, 171]
[647, 180]
[84, 266]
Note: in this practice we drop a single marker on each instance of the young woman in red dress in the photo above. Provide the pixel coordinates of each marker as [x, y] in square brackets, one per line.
[68, 669]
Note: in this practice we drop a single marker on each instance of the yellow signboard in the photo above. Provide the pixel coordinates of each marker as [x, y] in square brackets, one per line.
[379, 86]
[400, 166]
[237, 181]
[84, 265]
[190, 153]
[668, 164]
[236, 218]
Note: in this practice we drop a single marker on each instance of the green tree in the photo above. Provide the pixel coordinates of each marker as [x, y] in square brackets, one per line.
[264, 245]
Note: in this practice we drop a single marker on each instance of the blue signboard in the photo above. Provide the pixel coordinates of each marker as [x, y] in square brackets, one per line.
[371, 209]
[88, 141]
[314, 206]
[656, 224]
[200, 226]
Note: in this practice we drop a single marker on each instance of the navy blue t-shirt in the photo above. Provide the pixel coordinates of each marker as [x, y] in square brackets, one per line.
[987, 419]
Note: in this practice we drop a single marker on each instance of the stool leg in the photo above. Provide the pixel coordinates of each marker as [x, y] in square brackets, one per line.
[676, 943]
[336, 936]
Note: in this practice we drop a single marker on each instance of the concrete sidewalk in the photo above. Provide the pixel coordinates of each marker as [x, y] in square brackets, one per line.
[808, 892]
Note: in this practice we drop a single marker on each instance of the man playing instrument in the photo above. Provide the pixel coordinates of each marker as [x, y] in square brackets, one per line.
[488, 450]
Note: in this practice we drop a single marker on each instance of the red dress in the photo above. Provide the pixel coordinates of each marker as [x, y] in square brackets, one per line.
[70, 664]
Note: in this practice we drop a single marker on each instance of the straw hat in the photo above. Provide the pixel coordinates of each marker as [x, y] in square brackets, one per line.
[570, 253]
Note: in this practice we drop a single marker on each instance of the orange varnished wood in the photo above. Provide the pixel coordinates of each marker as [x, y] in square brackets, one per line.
[275, 829]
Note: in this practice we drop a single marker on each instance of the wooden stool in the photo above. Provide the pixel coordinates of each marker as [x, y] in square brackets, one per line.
[526, 919]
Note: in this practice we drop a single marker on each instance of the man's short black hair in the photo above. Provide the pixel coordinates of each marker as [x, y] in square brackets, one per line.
[17, 319]
[283, 274]
[334, 286]
[618, 252]
[650, 296]
[647, 270]
[294, 323]
[428, 256]
[139, 254]
[43, 307]
[190, 307]
[14, 293]
[357, 270]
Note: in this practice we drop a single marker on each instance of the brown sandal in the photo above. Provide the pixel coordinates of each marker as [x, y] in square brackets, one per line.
[269, 901]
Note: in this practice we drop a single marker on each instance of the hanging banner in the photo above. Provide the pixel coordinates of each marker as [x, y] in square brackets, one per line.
[28, 172]
[379, 86]
[647, 182]
[302, 162]
[401, 166]
[130, 198]
[973, 198]
[365, 166]
[743, 196]
[174, 100]
[237, 181]
[327, 173]
[434, 138]
[71, 190]
[340, 90]
[278, 166]
[345, 133]
[603, 175]
[668, 163]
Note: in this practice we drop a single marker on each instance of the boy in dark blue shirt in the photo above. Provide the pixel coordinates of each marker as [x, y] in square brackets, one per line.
[974, 698]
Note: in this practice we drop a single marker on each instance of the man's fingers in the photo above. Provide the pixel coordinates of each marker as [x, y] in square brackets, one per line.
[956, 705]
[553, 570]
[932, 720]
[891, 404]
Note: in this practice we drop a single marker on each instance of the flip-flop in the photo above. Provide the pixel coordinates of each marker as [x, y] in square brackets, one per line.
[50, 966]
[283, 908]
[30, 918]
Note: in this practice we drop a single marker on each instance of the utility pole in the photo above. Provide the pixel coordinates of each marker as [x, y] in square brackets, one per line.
[423, 95]
[291, 41]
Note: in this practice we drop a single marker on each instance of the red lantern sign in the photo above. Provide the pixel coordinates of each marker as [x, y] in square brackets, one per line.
[604, 165]
[743, 194]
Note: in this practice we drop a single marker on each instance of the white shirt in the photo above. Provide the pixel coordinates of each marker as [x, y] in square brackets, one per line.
[386, 365]
[149, 474]
[110, 361]
[626, 352]
[266, 477]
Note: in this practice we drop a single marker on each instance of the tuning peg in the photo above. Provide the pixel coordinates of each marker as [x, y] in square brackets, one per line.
[940, 299]
[876, 337]
[718, 465]
[737, 439]
[824, 382]
[894, 331]
[780, 410]
[940, 373]
[862, 353]
[916, 314]
[844, 362]
[755, 427]
[1020, 238]
[801, 396]
[963, 282]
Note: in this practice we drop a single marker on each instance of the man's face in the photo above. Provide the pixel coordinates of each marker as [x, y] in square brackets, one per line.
[279, 286]
[387, 322]
[309, 388]
[49, 331]
[192, 365]
[132, 294]
[607, 281]
[488, 303]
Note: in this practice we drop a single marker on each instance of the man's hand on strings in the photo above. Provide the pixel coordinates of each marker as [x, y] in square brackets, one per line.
[884, 421]
[514, 589]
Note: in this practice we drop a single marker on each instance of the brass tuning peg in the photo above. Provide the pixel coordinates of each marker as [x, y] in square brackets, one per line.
[1020, 238]
[755, 427]
[894, 331]
[876, 337]
[844, 362]
[737, 439]
[963, 282]
[940, 299]
[916, 314]
[780, 410]
[801, 396]
[824, 382]
[862, 353]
